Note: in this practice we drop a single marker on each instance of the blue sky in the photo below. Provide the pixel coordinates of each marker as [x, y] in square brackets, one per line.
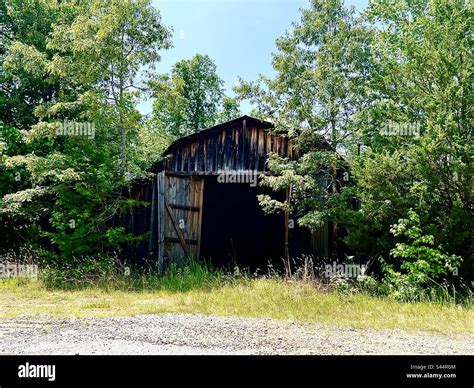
[239, 35]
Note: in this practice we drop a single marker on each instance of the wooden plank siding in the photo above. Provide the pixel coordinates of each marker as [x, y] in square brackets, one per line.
[242, 145]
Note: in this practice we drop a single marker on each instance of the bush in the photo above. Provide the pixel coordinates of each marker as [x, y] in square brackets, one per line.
[422, 264]
[370, 286]
[421, 259]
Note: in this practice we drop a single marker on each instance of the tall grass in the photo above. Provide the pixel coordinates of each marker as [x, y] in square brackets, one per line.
[108, 273]
[91, 289]
[111, 274]
[276, 298]
[308, 271]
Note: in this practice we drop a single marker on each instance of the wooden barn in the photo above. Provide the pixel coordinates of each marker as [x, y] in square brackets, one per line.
[203, 201]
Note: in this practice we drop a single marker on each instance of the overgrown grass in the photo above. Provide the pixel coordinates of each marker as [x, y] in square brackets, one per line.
[196, 289]
[110, 275]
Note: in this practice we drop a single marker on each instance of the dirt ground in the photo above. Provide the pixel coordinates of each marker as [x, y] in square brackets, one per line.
[199, 334]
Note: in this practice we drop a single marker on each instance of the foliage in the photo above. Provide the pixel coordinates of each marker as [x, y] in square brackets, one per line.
[420, 75]
[85, 60]
[321, 70]
[341, 78]
[230, 110]
[420, 260]
[191, 98]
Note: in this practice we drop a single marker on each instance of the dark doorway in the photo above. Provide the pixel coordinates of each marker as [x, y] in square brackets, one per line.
[235, 230]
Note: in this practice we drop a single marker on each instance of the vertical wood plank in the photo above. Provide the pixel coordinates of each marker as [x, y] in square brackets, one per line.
[244, 145]
[152, 242]
[199, 203]
[161, 183]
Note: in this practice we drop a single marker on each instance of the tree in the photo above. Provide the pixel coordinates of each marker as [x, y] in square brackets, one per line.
[422, 74]
[111, 44]
[346, 78]
[230, 110]
[321, 66]
[95, 52]
[190, 98]
[24, 30]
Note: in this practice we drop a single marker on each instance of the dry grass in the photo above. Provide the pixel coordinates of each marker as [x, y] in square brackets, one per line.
[251, 298]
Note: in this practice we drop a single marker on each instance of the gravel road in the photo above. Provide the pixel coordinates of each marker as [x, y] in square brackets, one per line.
[198, 334]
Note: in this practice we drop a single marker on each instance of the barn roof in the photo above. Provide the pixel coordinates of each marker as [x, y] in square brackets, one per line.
[242, 143]
[216, 128]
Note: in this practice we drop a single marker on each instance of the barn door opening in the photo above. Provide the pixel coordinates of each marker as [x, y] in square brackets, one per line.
[179, 224]
[235, 230]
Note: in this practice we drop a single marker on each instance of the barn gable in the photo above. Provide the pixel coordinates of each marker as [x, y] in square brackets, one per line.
[240, 144]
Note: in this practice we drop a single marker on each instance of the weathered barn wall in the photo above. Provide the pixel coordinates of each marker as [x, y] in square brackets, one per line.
[242, 144]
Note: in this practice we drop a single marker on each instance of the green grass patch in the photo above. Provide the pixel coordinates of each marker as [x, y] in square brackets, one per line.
[186, 292]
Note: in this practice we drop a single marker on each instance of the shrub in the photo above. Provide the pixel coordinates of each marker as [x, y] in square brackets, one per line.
[422, 262]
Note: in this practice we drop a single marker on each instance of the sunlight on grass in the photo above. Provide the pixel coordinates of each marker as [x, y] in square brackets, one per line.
[251, 298]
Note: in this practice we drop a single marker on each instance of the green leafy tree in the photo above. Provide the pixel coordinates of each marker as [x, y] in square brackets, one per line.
[343, 79]
[321, 67]
[96, 52]
[191, 98]
[230, 110]
[419, 257]
[24, 30]
[422, 74]
[111, 44]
